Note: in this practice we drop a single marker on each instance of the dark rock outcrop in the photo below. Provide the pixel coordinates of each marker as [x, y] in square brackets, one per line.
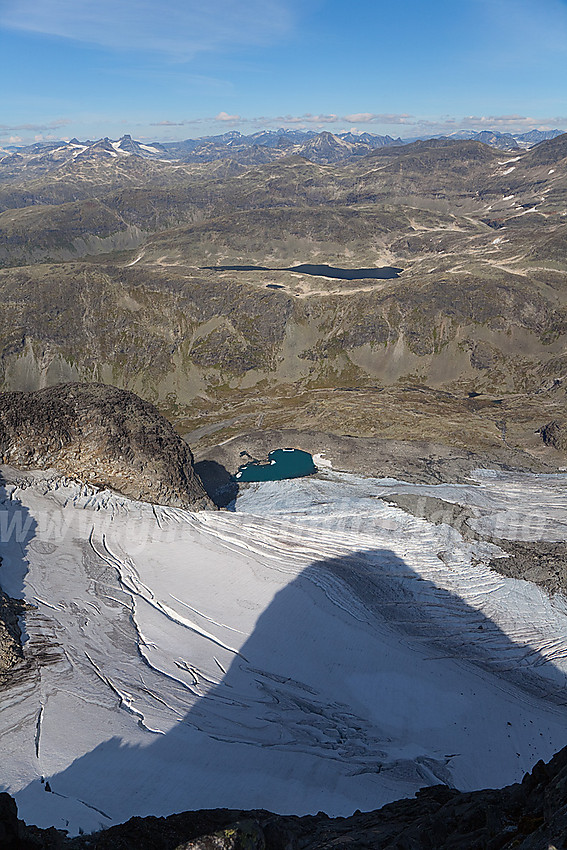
[11, 650]
[10, 827]
[531, 815]
[555, 434]
[542, 562]
[103, 436]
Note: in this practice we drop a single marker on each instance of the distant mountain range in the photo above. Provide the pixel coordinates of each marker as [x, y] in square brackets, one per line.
[254, 149]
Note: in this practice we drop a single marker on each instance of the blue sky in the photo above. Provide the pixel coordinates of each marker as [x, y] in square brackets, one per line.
[174, 69]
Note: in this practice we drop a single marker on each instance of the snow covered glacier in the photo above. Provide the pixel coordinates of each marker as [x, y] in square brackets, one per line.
[316, 649]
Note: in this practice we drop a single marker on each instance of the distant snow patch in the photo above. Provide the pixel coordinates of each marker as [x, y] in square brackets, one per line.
[118, 149]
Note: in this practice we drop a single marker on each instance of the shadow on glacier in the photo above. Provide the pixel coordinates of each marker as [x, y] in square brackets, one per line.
[220, 485]
[17, 530]
[227, 749]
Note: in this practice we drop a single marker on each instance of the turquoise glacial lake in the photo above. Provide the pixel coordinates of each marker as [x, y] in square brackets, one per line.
[282, 463]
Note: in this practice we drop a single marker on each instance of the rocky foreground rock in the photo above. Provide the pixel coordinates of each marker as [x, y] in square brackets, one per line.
[531, 815]
[103, 436]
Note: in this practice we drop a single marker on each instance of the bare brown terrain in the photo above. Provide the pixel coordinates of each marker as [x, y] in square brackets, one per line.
[108, 276]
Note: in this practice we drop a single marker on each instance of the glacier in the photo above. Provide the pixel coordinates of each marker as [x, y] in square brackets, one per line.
[315, 649]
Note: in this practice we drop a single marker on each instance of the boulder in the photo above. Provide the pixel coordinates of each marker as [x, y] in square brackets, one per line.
[554, 434]
[103, 436]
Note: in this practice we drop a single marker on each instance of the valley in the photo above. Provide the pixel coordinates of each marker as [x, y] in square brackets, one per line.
[104, 278]
[174, 637]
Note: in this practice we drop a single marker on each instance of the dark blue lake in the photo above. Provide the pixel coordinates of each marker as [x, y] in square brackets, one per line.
[384, 273]
[282, 463]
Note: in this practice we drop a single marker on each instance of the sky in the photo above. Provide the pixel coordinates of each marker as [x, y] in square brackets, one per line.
[175, 69]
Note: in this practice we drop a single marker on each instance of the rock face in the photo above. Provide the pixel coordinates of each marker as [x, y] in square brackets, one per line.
[103, 436]
[531, 815]
[542, 562]
[555, 434]
[11, 651]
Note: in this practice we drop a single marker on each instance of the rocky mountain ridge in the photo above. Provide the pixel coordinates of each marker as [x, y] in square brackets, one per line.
[103, 436]
[262, 146]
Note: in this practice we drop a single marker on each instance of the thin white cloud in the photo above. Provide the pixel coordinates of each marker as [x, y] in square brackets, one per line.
[440, 124]
[502, 123]
[379, 118]
[510, 122]
[168, 123]
[179, 28]
[262, 121]
[35, 128]
[186, 122]
[305, 119]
